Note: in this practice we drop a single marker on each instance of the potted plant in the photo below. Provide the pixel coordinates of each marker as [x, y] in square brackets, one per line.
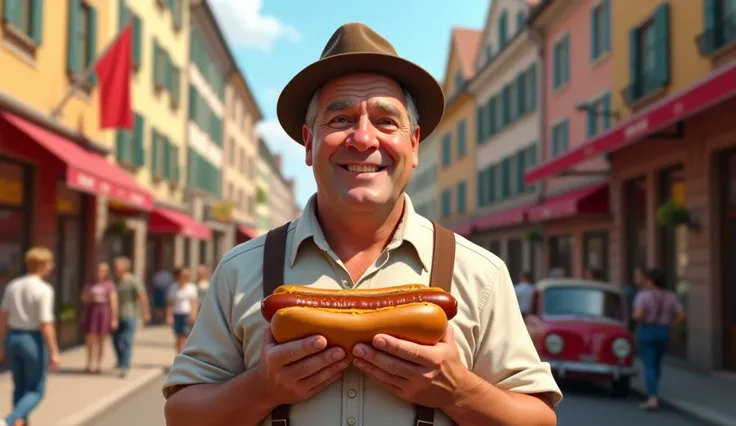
[534, 235]
[672, 215]
[117, 228]
[68, 324]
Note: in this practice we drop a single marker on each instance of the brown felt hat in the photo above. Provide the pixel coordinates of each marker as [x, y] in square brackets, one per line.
[356, 48]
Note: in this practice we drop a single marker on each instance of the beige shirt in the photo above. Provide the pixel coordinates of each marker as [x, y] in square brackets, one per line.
[489, 330]
[29, 302]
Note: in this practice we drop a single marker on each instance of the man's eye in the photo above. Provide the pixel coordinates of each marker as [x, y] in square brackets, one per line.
[340, 120]
[386, 122]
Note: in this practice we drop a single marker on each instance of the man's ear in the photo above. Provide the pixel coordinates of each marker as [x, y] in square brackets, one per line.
[415, 147]
[308, 145]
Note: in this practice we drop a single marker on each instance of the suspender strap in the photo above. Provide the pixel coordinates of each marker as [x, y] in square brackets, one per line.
[443, 264]
[274, 259]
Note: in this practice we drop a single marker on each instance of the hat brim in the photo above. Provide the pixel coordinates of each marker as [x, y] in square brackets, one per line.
[293, 102]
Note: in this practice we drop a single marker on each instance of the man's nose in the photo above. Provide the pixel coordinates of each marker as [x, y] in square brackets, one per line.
[364, 136]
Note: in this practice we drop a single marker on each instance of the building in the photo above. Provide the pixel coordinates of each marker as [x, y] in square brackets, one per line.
[241, 146]
[672, 157]
[263, 181]
[456, 173]
[55, 180]
[423, 185]
[506, 92]
[153, 152]
[281, 205]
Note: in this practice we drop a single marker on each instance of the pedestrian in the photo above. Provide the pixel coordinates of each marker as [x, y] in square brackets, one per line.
[27, 335]
[162, 280]
[524, 293]
[100, 315]
[132, 299]
[203, 283]
[360, 112]
[657, 311]
[182, 310]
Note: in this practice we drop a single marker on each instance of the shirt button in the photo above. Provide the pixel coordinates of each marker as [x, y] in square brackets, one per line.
[351, 393]
[351, 421]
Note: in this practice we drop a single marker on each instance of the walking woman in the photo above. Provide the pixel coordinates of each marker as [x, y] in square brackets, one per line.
[182, 310]
[100, 315]
[27, 330]
[656, 310]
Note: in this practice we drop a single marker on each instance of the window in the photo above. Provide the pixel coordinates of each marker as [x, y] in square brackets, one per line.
[521, 165]
[482, 188]
[446, 203]
[649, 56]
[561, 66]
[461, 194]
[599, 115]
[26, 16]
[531, 162]
[530, 91]
[505, 178]
[498, 123]
[719, 26]
[489, 53]
[600, 29]
[559, 138]
[520, 21]
[446, 150]
[129, 148]
[459, 81]
[124, 17]
[513, 102]
[492, 183]
[502, 31]
[461, 148]
[82, 41]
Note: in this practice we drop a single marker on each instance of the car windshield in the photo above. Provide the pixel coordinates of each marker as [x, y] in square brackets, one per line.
[583, 302]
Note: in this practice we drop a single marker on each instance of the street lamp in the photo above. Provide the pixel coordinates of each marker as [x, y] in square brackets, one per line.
[586, 106]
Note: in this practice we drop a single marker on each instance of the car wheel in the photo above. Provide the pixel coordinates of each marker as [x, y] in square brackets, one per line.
[622, 387]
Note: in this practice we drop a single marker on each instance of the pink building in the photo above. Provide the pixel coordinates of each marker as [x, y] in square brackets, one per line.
[576, 99]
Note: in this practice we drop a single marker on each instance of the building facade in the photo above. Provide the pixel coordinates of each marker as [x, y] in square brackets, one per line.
[281, 204]
[241, 147]
[55, 180]
[456, 172]
[263, 182]
[672, 163]
[506, 92]
[423, 185]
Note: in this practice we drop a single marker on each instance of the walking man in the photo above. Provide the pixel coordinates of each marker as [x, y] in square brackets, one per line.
[132, 298]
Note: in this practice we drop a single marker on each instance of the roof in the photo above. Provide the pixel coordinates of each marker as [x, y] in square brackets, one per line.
[467, 43]
[574, 282]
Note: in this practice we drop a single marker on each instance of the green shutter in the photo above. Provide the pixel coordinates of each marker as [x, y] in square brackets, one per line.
[123, 14]
[607, 108]
[606, 25]
[566, 60]
[533, 87]
[192, 103]
[662, 32]
[491, 176]
[156, 64]
[521, 108]
[122, 145]
[594, 33]
[36, 20]
[92, 43]
[634, 89]
[491, 124]
[72, 54]
[176, 85]
[155, 153]
[178, 14]
[137, 41]
[520, 169]
[167, 172]
[480, 188]
[167, 71]
[175, 164]
[505, 178]
[11, 12]
[533, 154]
[556, 65]
[480, 124]
[139, 158]
[591, 122]
[566, 138]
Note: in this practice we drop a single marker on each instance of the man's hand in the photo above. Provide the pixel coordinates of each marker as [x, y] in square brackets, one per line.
[294, 371]
[54, 362]
[432, 376]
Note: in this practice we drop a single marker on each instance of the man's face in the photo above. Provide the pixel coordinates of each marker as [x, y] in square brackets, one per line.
[361, 147]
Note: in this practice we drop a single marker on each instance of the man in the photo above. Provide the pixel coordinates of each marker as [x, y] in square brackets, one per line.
[131, 298]
[524, 293]
[162, 280]
[360, 112]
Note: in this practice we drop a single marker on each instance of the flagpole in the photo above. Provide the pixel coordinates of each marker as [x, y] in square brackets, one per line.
[77, 78]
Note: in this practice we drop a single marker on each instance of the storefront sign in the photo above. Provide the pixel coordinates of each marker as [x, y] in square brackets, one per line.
[68, 201]
[11, 192]
[222, 211]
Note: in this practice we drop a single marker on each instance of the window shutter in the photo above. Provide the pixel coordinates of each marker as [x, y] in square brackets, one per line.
[122, 144]
[491, 176]
[168, 170]
[139, 158]
[168, 70]
[566, 60]
[123, 14]
[11, 12]
[492, 125]
[607, 108]
[662, 32]
[193, 103]
[565, 138]
[481, 187]
[176, 85]
[520, 98]
[507, 105]
[156, 64]
[92, 43]
[594, 33]
[506, 178]
[461, 139]
[591, 122]
[606, 25]
[556, 66]
[533, 154]
[178, 14]
[36, 20]
[533, 87]
[72, 54]
[155, 154]
[634, 89]
[520, 169]
[175, 164]
[480, 124]
[137, 41]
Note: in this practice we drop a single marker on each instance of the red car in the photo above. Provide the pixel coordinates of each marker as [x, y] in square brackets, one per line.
[581, 328]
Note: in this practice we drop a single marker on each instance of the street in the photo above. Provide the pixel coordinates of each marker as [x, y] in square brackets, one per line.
[583, 405]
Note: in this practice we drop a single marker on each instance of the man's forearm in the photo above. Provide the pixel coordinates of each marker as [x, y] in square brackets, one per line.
[220, 404]
[481, 403]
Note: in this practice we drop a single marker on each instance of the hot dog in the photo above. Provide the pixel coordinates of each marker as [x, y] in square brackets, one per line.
[346, 317]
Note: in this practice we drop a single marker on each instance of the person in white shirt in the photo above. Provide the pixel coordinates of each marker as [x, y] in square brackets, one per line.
[182, 307]
[27, 329]
[524, 293]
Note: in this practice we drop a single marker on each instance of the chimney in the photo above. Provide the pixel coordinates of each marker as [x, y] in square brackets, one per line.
[277, 162]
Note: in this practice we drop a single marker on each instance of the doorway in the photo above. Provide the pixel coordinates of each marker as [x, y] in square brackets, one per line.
[728, 192]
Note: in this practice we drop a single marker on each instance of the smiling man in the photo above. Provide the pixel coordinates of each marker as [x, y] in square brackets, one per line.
[361, 112]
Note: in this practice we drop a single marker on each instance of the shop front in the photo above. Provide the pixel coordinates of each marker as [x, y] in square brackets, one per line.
[244, 233]
[53, 189]
[672, 190]
[219, 218]
[165, 227]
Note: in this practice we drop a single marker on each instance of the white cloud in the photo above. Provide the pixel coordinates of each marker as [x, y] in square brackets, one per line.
[245, 26]
[277, 139]
[273, 94]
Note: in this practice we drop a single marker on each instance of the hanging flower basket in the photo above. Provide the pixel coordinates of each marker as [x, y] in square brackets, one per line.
[117, 228]
[672, 215]
[534, 235]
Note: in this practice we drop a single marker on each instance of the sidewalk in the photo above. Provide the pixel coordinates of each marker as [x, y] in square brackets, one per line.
[706, 398]
[73, 397]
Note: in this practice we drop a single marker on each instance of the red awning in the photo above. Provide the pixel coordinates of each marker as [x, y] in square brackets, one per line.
[85, 171]
[167, 221]
[510, 217]
[247, 231]
[716, 88]
[591, 200]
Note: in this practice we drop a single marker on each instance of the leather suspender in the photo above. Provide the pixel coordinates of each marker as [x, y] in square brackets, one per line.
[443, 263]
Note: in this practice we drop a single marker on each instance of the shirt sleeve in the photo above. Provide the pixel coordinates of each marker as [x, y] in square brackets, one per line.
[212, 353]
[506, 356]
[640, 300]
[46, 306]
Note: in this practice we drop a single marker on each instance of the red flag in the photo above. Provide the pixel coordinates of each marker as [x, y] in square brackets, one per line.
[114, 73]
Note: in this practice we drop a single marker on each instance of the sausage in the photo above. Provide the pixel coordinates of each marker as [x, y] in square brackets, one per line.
[358, 300]
[422, 323]
[370, 292]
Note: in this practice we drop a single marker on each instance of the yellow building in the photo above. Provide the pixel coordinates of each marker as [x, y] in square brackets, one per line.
[456, 164]
[241, 161]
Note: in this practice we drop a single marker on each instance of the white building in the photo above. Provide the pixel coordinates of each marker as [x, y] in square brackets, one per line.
[423, 185]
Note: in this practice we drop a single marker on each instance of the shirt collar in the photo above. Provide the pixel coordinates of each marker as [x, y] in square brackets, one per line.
[410, 230]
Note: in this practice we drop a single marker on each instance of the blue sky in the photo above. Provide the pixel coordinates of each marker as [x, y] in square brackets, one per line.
[273, 40]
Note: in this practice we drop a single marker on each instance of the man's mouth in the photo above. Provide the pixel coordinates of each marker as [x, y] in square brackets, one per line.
[362, 168]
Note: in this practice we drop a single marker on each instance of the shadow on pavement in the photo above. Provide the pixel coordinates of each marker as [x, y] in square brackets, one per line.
[590, 390]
